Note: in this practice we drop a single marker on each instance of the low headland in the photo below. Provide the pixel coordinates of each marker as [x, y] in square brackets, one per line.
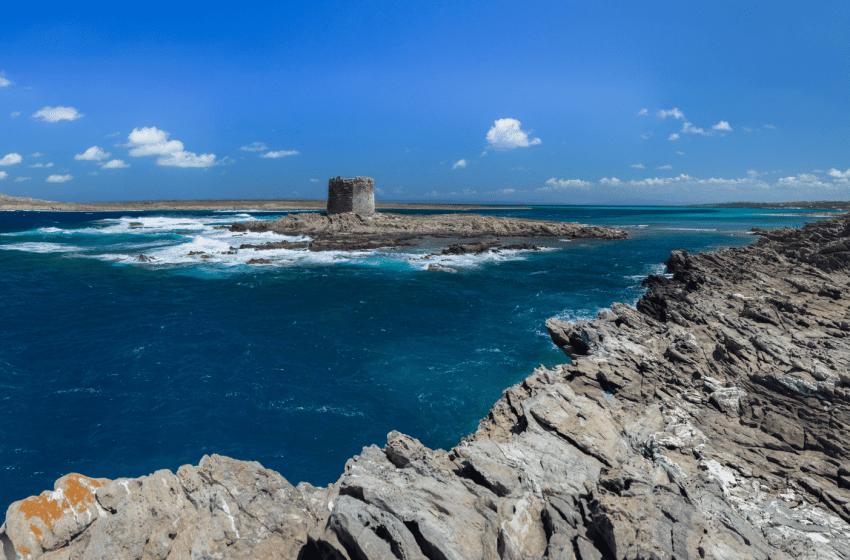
[712, 421]
[13, 203]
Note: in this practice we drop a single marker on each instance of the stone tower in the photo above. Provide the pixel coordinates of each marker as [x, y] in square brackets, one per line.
[351, 195]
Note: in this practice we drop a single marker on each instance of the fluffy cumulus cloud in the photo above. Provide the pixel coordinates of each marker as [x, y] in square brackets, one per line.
[37, 165]
[839, 174]
[689, 128]
[22, 179]
[11, 159]
[115, 164]
[255, 147]
[36, 154]
[674, 112]
[4, 82]
[280, 154]
[94, 153]
[643, 112]
[14, 114]
[460, 163]
[506, 134]
[150, 141]
[59, 178]
[3, 174]
[638, 166]
[554, 184]
[56, 114]
[673, 136]
[723, 126]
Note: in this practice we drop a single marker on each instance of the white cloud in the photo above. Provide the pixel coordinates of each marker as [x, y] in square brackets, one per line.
[770, 127]
[460, 163]
[59, 178]
[22, 179]
[689, 128]
[612, 181]
[151, 141]
[280, 154]
[674, 112]
[638, 166]
[506, 134]
[379, 191]
[14, 114]
[314, 180]
[748, 129]
[255, 147]
[94, 153]
[722, 125]
[11, 159]
[554, 184]
[56, 114]
[432, 194]
[664, 167]
[37, 154]
[42, 164]
[484, 153]
[4, 82]
[115, 164]
[839, 174]
[680, 153]
[3, 174]
[643, 112]
[646, 135]
[673, 136]
[186, 159]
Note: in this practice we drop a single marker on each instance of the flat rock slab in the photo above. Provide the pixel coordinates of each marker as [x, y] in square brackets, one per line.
[350, 231]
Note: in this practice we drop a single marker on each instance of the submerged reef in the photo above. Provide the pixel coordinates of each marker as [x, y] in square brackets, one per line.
[711, 421]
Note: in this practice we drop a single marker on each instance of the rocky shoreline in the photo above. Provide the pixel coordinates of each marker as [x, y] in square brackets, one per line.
[352, 232]
[713, 422]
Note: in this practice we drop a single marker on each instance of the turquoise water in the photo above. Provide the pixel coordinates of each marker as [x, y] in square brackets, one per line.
[111, 367]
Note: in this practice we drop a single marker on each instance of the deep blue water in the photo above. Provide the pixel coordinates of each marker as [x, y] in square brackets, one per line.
[110, 367]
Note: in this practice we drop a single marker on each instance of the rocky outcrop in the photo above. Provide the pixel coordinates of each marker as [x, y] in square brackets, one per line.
[712, 422]
[351, 231]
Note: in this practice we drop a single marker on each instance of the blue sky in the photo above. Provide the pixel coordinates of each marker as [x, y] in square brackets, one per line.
[497, 101]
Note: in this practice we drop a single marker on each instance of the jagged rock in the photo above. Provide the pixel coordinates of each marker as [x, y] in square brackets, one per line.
[711, 422]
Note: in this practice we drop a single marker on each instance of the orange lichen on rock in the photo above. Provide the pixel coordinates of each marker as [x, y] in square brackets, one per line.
[49, 506]
[24, 550]
[80, 490]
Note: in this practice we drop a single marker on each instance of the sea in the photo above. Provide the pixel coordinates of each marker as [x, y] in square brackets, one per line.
[115, 367]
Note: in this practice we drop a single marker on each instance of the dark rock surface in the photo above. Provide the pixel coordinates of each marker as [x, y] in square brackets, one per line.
[712, 422]
[350, 231]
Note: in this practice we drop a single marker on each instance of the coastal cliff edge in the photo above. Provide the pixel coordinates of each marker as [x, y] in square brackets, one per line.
[711, 421]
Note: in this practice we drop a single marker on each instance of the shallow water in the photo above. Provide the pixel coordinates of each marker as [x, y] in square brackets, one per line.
[111, 367]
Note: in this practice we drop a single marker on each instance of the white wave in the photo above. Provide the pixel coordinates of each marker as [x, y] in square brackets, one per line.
[422, 262]
[573, 315]
[41, 247]
[687, 229]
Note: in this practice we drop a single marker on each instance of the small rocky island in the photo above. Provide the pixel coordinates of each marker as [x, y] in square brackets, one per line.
[351, 223]
[710, 422]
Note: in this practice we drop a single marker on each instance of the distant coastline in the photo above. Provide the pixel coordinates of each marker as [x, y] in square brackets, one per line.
[9, 203]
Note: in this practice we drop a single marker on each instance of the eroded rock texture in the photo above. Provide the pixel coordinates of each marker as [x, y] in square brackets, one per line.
[350, 231]
[709, 423]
